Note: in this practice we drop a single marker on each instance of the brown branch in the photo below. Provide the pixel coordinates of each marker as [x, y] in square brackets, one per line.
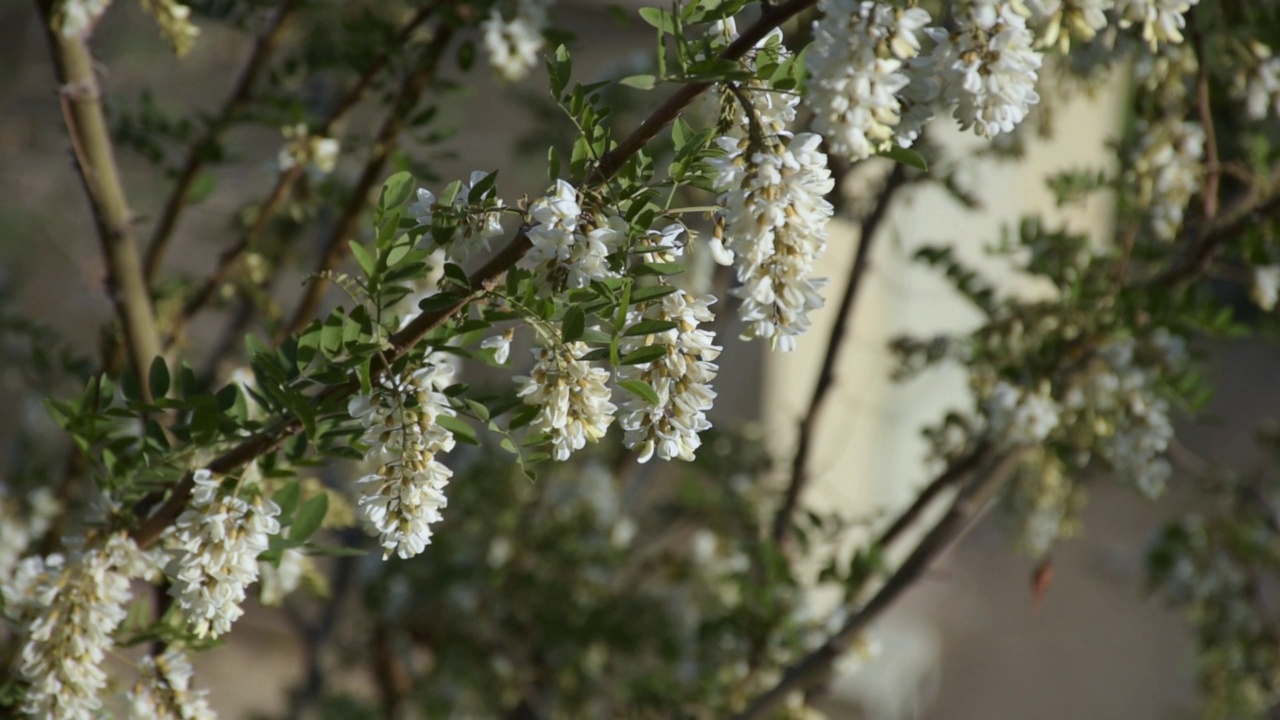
[815, 668]
[287, 179]
[383, 145]
[485, 278]
[81, 100]
[198, 154]
[1204, 105]
[799, 477]
[954, 473]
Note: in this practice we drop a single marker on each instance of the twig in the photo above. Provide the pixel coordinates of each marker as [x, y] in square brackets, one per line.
[826, 376]
[81, 101]
[481, 280]
[383, 145]
[815, 667]
[241, 93]
[1204, 104]
[954, 473]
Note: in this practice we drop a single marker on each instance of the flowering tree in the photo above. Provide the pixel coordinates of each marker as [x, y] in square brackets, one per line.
[515, 552]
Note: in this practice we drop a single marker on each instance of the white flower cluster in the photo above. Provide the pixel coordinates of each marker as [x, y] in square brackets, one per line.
[857, 70]
[987, 67]
[566, 248]
[20, 526]
[1019, 417]
[1043, 501]
[75, 18]
[1121, 392]
[681, 378]
[514, 44]
[1060, 20]
[1168, 168]
[301, 148]
[403, 497]
[1262, 90]
[772, 110]
[1264, 286]
[573, 398]
[70, 608]
[214, 548]
[278, 581]
[1162, 21]
[476, 226]
[165, 691]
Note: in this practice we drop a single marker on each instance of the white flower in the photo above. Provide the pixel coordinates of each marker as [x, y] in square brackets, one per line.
[1265, 286]
[681, 378]
[75, 18]
[69, 609]
[277, 582]
[423, 209]
[1262, 90]
[214, 547]
[477, 222]
[856, 68]
[22, 524]
[165, 691]
[773, 228]
[566, 249]
[1168, 169]
[987, 67]
[773, 111]
[1162, 21]
[572, 396]
[318, 154]
[500, 345]
[513, 45]
[403, 497]
[1018, 417]
[1060, 20]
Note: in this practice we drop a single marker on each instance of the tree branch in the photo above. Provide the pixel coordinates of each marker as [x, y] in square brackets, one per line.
[1204, 105]
[799, 477]
[241, 93]
[485, 278]
[815, 668]
[81, 101]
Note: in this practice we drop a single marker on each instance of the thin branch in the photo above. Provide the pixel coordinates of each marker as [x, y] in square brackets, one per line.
[481, 280]
[383, 145]
[799, 477]
[287, 179]
[815, 668]
[1204, 105]
[199, 152]
[954, 473]
[81, 100]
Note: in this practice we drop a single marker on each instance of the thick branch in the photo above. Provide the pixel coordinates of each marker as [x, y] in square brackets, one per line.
[486, 277]
[81, 100]
[799, 477]
[815, 668]
[239, 98]
[383, 145]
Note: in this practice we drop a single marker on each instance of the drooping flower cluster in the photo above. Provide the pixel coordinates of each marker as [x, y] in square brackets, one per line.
[277, 581]
[75, 18]
[572, 396]
[1061, 20]
[301, 148]
[1262, 89]
[20, 526]
[857, 68]
[174, 20]
[513, 45]
[70, 608]
[569, 249]
[1167, 171]
[404, 495]
[986, 67]
[1161, 21]
[165, 691]
[681, 379]
[1017, 416]
[477, 221]
[214, 548]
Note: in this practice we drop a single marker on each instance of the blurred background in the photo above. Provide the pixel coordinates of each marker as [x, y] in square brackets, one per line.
[969, 642]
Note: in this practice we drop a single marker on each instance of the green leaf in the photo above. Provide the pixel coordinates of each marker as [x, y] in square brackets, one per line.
[367, 264]
[652, 292]
[640, 389]
[649, 327]
[649, 353]
[907, 157]
[158, 378]
[661, 19]
[309, 518]
[553, 164]
[659, 268]
[574, 323]
[640, 82]
[482, 188]
[395, 191]
[461, 431]
[559, 69]
[287, 498]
